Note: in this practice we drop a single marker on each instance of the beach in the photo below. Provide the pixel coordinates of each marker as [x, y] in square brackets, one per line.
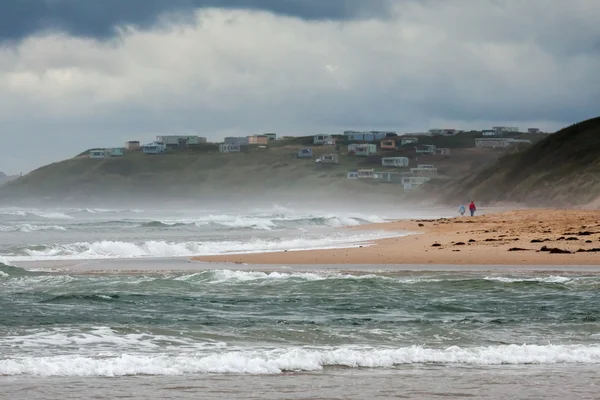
[125, 303]
[520, 237]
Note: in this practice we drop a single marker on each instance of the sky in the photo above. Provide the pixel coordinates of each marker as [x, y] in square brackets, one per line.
[78, 74]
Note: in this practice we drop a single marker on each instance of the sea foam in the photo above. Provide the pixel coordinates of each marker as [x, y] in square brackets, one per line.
[295, 359]
[153, 248]
[30, 228]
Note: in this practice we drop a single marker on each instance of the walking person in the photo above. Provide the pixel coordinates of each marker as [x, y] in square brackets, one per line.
[461, 209]
[472, 208]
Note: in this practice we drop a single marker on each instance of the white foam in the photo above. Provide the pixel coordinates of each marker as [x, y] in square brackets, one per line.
[269, 222]
[234, 276]
[30, 228]
[104, 211]
[222, 276]
[100, 339]
[3, 274]
[37, 213]
[545, 279]
[276, 361]
[29, 282]
[119, 249]
[51, 215]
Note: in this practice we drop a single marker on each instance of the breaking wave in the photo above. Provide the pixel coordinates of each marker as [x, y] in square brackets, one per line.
[103, 211]
[266, 223]
[546, 279]
[153, 248]
[40, 214]
[31, 228]
[276, 361]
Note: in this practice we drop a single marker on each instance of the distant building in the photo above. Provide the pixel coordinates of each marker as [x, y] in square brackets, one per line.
[500, 130]
[443, 132]
[362, 150]
[489, 132]
[116, 152]
[271, 136]
[180, 140]
[408, 140]
[533, 130]
[154, 148]
[107, 153]
[328, 159]
[132, 145]
[99, 153]
[368, 136]
[323, 139]
[409, 182]
[387, 144]
[389, 177]
[366, 173]
[242, 140]
[230, 148]
[442, 151]
[424, 169]
[258, 139]
[449, 132]
[425, 149]
[394, 162]
[498, 142]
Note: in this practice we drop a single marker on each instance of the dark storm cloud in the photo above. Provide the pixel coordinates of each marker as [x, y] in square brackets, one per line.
[99, 18]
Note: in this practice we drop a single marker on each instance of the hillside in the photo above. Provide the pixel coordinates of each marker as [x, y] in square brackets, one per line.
[6, 178]
[203, 171]
[561, 170]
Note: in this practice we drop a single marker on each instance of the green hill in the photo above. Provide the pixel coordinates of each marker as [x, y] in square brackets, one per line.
[561, 170]
[202, 171]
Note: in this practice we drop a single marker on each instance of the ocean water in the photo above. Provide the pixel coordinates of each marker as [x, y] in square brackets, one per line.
[83, 233]
[221, 332]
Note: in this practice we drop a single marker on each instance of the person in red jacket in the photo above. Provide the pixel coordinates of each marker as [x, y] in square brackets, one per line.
[472, 208]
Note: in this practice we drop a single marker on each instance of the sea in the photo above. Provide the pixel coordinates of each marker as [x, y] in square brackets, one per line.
[104, 304]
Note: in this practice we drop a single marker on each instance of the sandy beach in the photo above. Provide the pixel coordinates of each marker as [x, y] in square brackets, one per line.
[521, 237]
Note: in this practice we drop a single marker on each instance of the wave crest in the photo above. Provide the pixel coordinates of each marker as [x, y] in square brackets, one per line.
[31, 228]
[153, 248]
[296, 359]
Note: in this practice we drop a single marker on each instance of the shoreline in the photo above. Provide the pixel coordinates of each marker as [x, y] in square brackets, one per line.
[174, 265]
[520, 237]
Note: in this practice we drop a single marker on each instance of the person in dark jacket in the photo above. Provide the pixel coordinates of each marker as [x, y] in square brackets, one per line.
[472, 208]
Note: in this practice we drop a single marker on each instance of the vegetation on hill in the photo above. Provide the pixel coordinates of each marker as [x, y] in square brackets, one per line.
[202, 170]
[563, 169]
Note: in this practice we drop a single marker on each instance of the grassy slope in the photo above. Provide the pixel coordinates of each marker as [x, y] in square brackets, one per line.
[563, 169]
[203, 170]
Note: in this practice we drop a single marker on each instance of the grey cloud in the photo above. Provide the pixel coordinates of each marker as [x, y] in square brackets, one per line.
[100, 19]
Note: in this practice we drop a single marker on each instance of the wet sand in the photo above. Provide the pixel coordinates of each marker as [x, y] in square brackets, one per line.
[522, 237]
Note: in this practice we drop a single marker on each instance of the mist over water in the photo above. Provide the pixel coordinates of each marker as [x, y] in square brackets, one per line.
[29, 234]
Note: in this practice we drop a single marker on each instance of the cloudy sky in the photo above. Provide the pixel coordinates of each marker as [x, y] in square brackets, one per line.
[76, 74]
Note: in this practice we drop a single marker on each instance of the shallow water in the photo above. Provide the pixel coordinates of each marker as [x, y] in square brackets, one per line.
[84, 234]
[300, 334]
